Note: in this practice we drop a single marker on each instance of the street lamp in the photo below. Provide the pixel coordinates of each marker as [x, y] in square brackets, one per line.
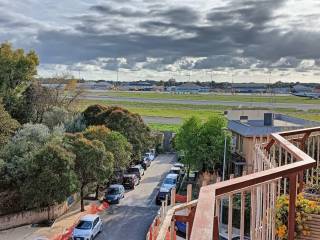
[224, 153]
[225, 130]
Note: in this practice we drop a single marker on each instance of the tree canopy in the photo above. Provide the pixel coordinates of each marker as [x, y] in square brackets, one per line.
[50, 178]
[114, 142]
[8, 126]
[202, 143]
[121, 120]
[19, 152]
[93, 165]
[16, 67]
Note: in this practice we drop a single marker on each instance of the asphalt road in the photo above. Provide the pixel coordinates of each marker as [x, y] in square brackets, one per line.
[297, 106]
[132, 217]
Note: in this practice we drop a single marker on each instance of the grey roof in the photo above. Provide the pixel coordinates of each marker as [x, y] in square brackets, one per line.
[253, 128]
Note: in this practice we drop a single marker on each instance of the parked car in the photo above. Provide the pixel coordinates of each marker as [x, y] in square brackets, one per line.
[176, 170]
[165, 190]
[117, 177]
[153, 151]
[138, 170]
[130, 181]
[181, 229]
[114, 193]
[181, 166]
[141, 169]
[223, 233]
[145, 163]
[149, 155]
[87, 228]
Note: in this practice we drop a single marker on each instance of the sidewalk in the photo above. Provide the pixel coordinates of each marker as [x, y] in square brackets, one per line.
[62, 226]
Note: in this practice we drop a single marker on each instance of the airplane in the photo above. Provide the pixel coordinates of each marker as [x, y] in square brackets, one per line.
[310, 95]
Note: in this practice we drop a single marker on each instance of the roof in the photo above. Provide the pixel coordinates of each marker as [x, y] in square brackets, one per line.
[172, 175]
[175, 168]
[129, 175]
[89, 217]
[252, 128]
[178, 165]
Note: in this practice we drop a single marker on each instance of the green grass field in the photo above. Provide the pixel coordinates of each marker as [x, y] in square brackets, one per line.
[185, 111]
[212, 96]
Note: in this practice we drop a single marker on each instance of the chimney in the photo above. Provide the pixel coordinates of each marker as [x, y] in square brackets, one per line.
[268, 119]
[244, 119]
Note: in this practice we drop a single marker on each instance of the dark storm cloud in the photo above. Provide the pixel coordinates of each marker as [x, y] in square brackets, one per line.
[123, 11]
[238, 35]
[182, 15]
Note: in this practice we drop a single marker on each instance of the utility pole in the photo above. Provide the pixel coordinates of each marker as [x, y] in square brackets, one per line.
[117, 74]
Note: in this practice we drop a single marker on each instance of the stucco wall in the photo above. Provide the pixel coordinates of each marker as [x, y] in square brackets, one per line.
[34, 216]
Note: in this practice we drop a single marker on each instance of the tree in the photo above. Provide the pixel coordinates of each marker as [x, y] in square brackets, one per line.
[71, 85]
[16, 67]
[121, 120]
[93, 165]
[202, 144]
[186, 141]
[51, 178]
[211, 142]
[20, 151]
[76, 124]
[8, 126]
[56, 117]
[31, 104]
[114, 142]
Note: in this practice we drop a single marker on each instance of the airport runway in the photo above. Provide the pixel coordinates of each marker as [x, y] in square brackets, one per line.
[304, 107]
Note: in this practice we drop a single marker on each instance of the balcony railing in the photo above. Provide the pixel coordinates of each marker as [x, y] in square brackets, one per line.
[283, 163]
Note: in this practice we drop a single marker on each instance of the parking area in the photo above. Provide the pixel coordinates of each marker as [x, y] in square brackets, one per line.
[130, 219]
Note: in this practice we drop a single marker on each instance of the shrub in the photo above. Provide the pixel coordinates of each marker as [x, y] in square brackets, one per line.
[303, 208]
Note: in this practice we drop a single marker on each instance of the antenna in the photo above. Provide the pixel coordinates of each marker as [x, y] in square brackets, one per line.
[232, 90]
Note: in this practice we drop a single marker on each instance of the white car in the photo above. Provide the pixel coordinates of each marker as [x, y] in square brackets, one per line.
[149, 155]
[181, 166]
[87, 228]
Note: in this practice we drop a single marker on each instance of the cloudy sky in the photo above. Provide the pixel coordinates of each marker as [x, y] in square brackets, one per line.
[243, 40]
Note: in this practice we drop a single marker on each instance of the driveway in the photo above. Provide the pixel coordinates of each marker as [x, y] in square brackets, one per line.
[131, 218]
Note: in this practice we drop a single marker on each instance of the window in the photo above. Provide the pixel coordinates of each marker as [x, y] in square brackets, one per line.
[95, 221]
[84, 225]
[169, 181]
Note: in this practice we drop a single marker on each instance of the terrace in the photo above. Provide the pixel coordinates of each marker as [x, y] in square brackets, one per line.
[284, 162]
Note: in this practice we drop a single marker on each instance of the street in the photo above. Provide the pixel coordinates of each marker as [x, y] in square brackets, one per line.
[131, 218]
[128, 220]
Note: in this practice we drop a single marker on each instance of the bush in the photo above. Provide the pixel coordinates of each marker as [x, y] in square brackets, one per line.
[56, 117]
[121, 120]
[303, 208]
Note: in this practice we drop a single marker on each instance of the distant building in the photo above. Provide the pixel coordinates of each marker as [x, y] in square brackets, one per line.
[140, 86]
[103, 86]
[93, 85]
[251, 126]
[281, 90]
[249, 87]
[86, 85]
[301, 88]
[189, 88]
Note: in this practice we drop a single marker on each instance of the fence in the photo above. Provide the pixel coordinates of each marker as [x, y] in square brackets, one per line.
[283, 163]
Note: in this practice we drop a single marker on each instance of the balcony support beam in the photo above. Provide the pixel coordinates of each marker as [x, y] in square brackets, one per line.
[216, 228]
[304, 139]
[292, 206]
